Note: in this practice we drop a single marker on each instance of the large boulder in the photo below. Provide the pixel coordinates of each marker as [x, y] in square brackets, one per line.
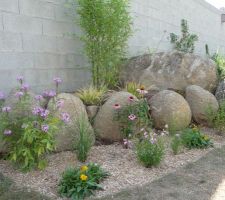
[69, 134]
[170, 108]
[201, 103]
[106, 127]
[173, 70]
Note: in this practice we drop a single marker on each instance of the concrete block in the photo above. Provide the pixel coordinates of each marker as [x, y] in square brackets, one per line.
[10, 42]
[70, 46]
[9, 6]
[22, 24]
[36, 43]
[37, 8]
[16, 60]
[60, 29]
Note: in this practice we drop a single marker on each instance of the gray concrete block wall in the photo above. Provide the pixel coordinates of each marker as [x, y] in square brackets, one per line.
[36, 41]
[36, 38]
[155, 20]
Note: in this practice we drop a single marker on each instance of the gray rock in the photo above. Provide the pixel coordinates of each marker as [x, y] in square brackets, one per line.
[200, 102]
[169, 107]
[69, 134]
[107, 128]
[174, 70]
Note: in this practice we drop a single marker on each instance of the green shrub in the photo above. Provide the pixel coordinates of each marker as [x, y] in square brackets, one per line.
[150, 152]
[176, 144]
[220, 64]
[92, 95]
[78, 183]
[192, 138]
[133, 116]
[217, 119]
[186, 42]
[84, 143]
[106, 28]
[28, 135]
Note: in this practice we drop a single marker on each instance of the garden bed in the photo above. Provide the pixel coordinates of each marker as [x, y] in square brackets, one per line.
[121, 163]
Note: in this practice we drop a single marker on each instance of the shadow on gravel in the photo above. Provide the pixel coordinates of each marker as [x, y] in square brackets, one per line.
[196, 181]
[8, 191]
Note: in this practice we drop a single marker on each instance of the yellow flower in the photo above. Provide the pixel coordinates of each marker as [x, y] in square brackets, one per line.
[83, 177]
[206, 137]
[84, 168]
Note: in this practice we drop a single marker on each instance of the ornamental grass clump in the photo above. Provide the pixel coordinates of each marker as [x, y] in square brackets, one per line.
[31, 135]
[92, 95]
[79, 183]
[84, 142]
[176, 144]
[150, 149]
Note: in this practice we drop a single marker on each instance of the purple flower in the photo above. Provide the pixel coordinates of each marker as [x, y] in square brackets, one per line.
[132, 117]
[59, 104]
[38, 97]
[20, 79]
[49, 94]
[6, 109]
[7, 132]
[45, 128]
[65, 117]
[2, 95]
[25, 87]
[44, 113]
[37, 110]
[19, 94]
[57, 80]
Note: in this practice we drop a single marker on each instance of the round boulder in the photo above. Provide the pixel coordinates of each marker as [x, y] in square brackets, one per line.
[201, 102]
[68, 134]
[171, 70]
[169, 107]
[107, 128]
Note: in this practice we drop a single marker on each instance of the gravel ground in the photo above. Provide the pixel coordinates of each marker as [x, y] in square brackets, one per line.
[120, 163]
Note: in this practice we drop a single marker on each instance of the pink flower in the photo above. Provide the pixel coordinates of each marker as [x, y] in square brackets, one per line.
[127, 143]
[142, 91]
[116, 106]
[131, 98]
[6, 109]
[132, 117]
[7, 132]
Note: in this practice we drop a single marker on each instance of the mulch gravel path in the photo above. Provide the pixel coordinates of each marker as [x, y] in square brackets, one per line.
[121, 163]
